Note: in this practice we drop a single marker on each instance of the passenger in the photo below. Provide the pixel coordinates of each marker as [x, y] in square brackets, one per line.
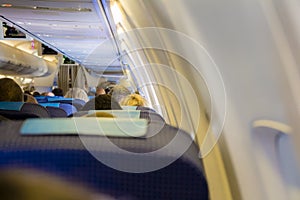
[108, 89]
[134, 100]
[100, 91]
[36, 94]
[77, 93]
[10, 90]
[106, 86]
[49, 94]
[58, 92]
[119, 92]
[25, 184]
[30, 99]
[102, 102]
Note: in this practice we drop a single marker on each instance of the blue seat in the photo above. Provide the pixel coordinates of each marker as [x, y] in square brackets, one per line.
[78, 103]
[35, 109]
[68, 157]
[68, 108]
[56, 112]
[41, 99]
[22, 110]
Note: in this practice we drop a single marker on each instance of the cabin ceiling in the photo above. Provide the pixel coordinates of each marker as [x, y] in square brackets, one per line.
[77, 29]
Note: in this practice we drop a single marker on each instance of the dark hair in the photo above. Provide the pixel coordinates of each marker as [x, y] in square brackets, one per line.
[27, 92]
[25, 95]
[106, 102]
[10, 90]
[102, 102]
[36, 94]
[58, 92]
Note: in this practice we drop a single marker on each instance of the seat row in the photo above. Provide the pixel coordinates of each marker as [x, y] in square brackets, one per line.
[22, 110]
[160, 163]
[137, 158]
[77, 103]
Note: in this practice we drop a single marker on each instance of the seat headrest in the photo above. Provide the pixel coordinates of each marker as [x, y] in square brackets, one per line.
[120, 113]
[113, 127]
[129, 107]
[50, 104]
[11, 105]
[59, 99]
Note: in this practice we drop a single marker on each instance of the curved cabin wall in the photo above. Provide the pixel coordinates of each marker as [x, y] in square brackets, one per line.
[245, 40]
[178, 70]
[16, 62]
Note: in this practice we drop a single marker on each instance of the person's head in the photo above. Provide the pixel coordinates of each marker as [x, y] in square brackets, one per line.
[105, 87]
[49, 94]
[58, 92]
[36, 94]
[106, 102]
[30, 99]
[102, 102]
[119, 92]
[77, 93]
[99, 91]
[133, 100]
[10, 90]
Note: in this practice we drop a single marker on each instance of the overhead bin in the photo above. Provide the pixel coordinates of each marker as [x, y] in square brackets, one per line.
[16, 62]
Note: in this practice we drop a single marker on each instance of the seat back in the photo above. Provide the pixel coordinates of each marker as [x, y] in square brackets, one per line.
[17, 115]
[77, 103]
[68, 108]
[37, 109]
[119, 113]
[151, 116]
[145, 108]
[56, 112]
[59, 109]
[22, 110]
[129, 107]
[41, 99]
[74, 158]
